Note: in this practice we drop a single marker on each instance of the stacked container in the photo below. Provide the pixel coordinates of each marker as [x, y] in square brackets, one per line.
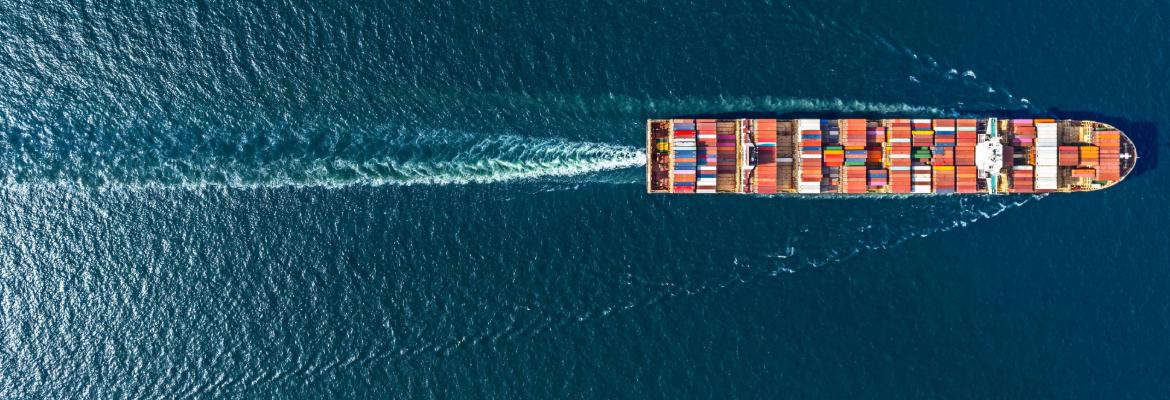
[810, 155]
[878, 178]
[854, 137]
[786, 141]
[856, 155]
[707, 156]
[921, 155]
[1089, 155]
[922, 133]
[875, 136]
[727, 156]
[834, 156]
[1069, 156]
[944, 179]
[1109, 157]
[766, 156]
[1023, 133]
[966, 179]
[685, 158]
[965, 140]
[1046, 155]
[900, 179]
[855, 179]
[898, 141]
[1022, 179]
[944, 142]
[921, 178]
[853, 132]
[1089, 173]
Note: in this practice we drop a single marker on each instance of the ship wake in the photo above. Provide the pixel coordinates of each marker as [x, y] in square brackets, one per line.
[439, 157]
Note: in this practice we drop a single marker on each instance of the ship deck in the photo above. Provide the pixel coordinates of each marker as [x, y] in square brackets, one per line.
[887, 156]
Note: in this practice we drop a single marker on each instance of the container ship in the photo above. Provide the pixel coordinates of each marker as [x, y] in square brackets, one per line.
[884, 156]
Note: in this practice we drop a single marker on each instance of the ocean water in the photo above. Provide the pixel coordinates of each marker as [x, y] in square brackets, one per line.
[329, 199]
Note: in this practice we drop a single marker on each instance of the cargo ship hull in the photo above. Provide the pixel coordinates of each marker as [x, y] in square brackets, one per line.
[884, 156]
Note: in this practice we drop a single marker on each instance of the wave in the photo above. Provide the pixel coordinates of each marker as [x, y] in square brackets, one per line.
[613, 103]
[641, 293]
[923, 62]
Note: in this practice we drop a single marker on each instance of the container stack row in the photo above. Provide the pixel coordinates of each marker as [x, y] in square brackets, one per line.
[1023, 133]
[810, 155]
[727, 156]
[856, 155]
[898, 148]
[1068, 156]
[878, 178]
[944, 178]
[685, 156]
[965, 139]
[921, 178]
[922, 133]
[944, 142]
[1109, 144]
[786, 138]
[708, 156]
[1046, 155]
[834, 156]
[1089, 154]
[855, 179]
[966, 179]
[1022, 178]
[966, 174]
[1083, 173]
[1023, 143]
[853, 132]
[766, 162]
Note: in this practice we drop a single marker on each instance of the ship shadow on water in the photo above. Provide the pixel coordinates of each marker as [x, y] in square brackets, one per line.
[1144, 134]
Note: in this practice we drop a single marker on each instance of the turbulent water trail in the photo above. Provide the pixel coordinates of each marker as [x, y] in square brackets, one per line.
[435, 158]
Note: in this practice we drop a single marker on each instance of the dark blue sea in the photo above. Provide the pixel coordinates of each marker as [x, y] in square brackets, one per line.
[441, 199]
